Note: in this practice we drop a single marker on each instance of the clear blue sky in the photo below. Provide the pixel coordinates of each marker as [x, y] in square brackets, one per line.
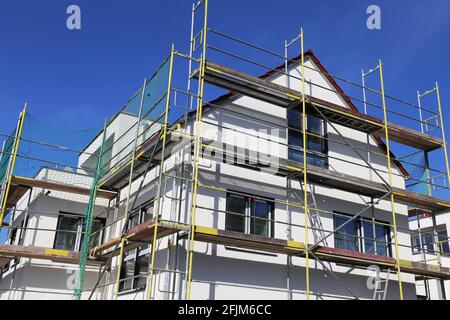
[77, 79]
[84, 77]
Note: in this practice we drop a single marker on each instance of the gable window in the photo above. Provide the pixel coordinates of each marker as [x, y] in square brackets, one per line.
[250, 215]
[69, 232]
[362, 235]
[317, 146]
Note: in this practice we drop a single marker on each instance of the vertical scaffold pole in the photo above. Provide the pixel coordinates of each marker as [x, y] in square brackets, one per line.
[388, 151]
[13, 162]
[305, 163]
[2, 180]
[161, 174]
[130, 181]
[87, 228]
[196, 155]
[444, 141]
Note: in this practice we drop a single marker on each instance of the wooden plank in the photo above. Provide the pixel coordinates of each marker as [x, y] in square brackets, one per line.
[34, 183]
[265, 90]
[63, 256]
[273, 245]
[137, 235]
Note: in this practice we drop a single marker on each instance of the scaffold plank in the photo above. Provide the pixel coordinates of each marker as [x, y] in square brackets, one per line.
[139, 235]
[273, 245]
[20, 185]
[63, 256]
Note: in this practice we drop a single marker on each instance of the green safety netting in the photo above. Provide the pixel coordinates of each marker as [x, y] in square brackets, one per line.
[122, 129]
[6, 156]
[44, 145]
[416, 165]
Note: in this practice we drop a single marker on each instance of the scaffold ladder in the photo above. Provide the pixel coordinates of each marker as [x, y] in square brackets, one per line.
[381, 286]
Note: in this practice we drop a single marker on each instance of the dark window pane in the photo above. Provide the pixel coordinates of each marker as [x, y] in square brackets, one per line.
[346, 237]
[415, 243]
[316, 144]
[96, 233]
[261, 209]
[382, 237]
[369, 242]
[142, 270]
[428, 243]
[127, 271]
[294, 119]
[235, 220]
[147, 213]
[295, 138]
[443, 242]
[134, 220]
[66, 235]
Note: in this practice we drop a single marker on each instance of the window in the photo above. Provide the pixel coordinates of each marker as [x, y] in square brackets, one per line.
[23, 229]
[13, 235]
[250, 215]
[134, 269]
[140, 215]
[347, 236]
[362, 235]
[133, 274]
[443, 242]
[69, 232]
[317, 146]
[428, 242]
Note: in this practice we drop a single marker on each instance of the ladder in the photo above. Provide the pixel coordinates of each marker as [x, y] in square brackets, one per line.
[381, 287]
[315, 219]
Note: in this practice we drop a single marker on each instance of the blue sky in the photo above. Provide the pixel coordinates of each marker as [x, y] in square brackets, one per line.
[82, 77]
[77, 79]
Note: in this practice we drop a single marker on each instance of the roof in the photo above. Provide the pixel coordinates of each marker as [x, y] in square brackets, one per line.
[309, 53]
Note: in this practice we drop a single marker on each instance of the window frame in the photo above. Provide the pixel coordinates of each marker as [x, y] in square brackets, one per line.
[311, 154]
[250, 213]
[436, 248]
[79, 232]
[360, 236]
[142, 252]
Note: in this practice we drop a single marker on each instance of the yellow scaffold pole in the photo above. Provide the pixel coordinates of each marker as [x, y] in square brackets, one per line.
[119, 268]
[388, 151]
[305, 163]
[444, 141]
[13, 163]
[196, 156]
[161, 174]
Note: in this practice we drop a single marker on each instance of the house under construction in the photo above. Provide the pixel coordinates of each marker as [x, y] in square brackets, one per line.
[230, 177]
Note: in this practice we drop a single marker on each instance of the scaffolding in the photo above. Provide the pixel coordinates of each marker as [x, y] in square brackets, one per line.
[162, 142]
